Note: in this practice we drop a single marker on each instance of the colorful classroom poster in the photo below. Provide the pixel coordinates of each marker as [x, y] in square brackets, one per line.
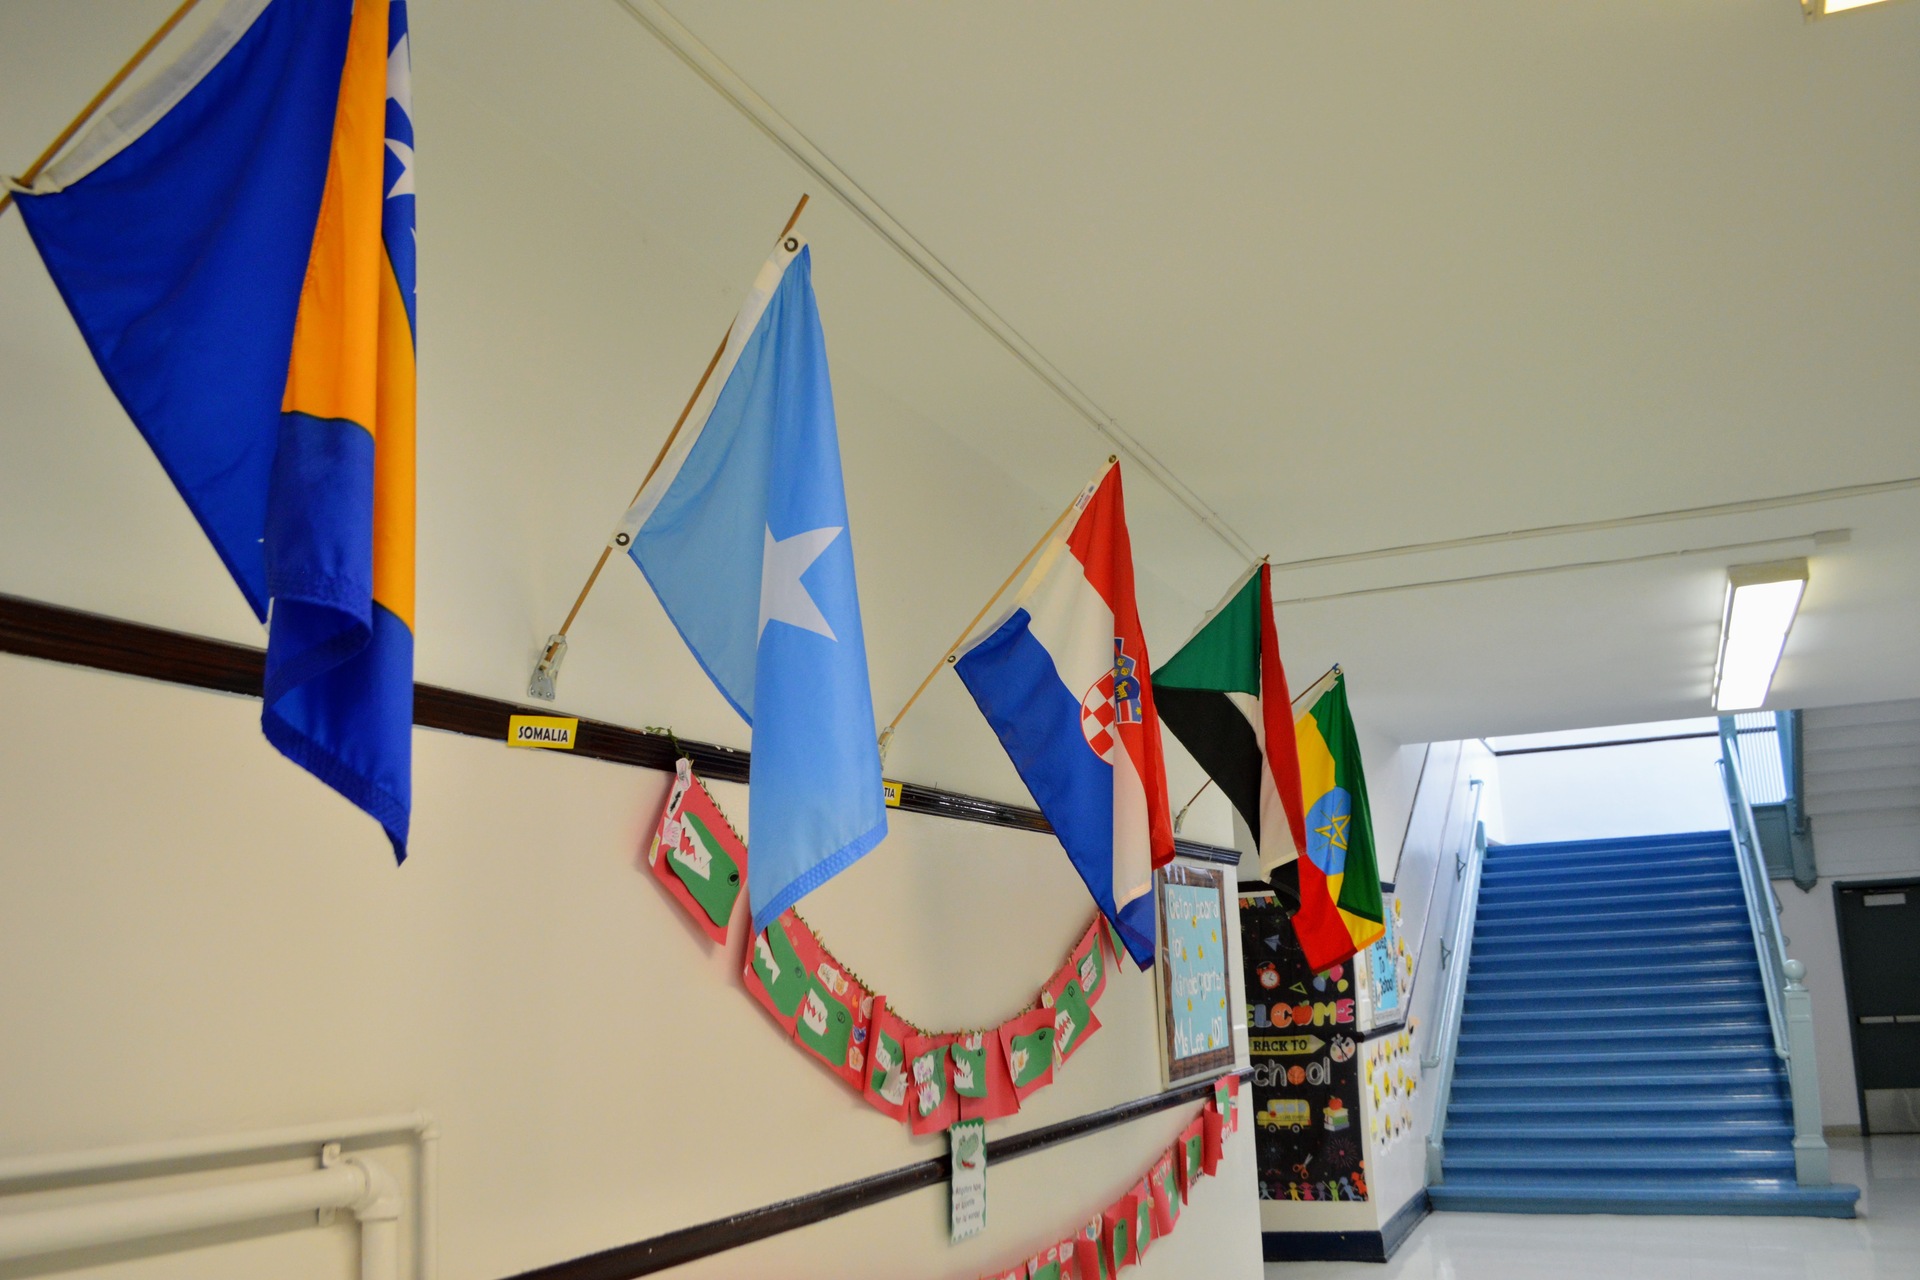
[1306, 1071]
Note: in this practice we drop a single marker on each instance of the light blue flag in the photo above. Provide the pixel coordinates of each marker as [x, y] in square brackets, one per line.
[743, 534]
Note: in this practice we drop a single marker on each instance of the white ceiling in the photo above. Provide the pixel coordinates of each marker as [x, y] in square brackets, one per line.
[1361, 276]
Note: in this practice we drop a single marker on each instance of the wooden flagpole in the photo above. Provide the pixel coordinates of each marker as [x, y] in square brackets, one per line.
[1181, 816]
[86, 112]
[1318, 687]
[541, 685]
[947, 658]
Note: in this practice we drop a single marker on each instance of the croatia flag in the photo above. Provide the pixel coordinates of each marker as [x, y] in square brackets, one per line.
[1062, 678]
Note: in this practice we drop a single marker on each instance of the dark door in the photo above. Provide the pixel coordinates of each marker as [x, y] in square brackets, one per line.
[1880, 953]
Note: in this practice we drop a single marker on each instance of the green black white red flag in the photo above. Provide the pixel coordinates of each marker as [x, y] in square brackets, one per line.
[1225, 697]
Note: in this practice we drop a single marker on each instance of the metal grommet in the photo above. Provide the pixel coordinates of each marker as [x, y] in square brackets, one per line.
[793, 244]
[621, 539]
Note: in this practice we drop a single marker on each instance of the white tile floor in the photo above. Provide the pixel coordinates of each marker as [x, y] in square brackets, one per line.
[1883, 1242]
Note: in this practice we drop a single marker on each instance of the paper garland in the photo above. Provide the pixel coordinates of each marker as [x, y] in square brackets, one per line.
[924, 1079]
[1126, 1231]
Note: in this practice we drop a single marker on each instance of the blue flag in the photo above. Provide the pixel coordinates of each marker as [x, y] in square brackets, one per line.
[235, 242]
[743, 535]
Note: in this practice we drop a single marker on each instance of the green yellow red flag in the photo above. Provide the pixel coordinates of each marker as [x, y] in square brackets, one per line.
[1341, 909]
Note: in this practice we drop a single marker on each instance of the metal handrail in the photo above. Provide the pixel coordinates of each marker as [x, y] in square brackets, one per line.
[1789, 1003]
[1762, 912]
[1456, 954]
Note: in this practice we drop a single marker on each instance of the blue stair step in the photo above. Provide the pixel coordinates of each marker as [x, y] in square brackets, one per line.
[1625, 1167]
[1754, 1036]
[1677, 908]
[1731, 1107]
[1651, 849]
[1624, 992]
[1759, 1197]
[1673, 1079]
[1616, 1053]
[1468, 1137]
[1678, 979]
[1488, 1015]
[1675, 1084]
[1617, 842]
[1510, 858]
[1527, 907]
[1675, 929]
[1511, 886]
[1551, 1061]
[1729, 949]
[1576, 877]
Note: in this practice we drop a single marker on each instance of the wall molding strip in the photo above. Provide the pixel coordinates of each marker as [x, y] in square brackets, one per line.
[728, 83]
[1838, 493]
[54, 633]
[674, 1248]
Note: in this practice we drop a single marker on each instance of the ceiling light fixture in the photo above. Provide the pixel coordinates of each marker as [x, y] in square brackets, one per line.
[1822, 8]
[1762, 600]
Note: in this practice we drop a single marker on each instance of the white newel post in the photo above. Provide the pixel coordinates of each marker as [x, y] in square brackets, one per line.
[1803, 1072]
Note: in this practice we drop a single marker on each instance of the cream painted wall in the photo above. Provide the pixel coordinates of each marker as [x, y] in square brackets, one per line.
[196, 937]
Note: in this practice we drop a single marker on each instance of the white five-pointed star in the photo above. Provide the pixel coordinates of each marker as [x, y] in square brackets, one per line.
[783, 597]
[400, 92]
[402, 185]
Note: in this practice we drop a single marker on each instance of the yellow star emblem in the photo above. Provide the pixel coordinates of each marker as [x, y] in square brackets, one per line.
[1336, 830]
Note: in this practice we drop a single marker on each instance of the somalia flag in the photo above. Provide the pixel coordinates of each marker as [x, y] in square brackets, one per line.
[1341, 909]
[235, 242]
[742, 533]
[1062, 679]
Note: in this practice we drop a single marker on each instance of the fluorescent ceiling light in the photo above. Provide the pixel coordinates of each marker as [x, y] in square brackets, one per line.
[1821, 8]
[1762, 600]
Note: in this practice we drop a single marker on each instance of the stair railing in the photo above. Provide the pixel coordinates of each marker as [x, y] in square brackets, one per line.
[1456, 952]
[1789, 1004]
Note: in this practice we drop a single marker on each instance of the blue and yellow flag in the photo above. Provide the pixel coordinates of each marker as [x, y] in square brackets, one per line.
[235, 241]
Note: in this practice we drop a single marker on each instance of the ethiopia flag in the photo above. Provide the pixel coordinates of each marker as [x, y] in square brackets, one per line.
[1340, 906]
[1225, 698]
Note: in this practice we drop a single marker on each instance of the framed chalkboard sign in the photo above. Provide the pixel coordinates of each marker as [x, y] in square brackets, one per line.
[1194, 997]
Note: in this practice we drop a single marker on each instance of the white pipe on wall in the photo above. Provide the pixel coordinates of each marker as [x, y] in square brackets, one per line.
[23, 1235]
[379, 1214]
[181, 1150]
[368, 1189]
[426, 1213]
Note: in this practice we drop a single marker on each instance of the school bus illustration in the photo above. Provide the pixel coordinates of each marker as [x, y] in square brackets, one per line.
[1285, 1113]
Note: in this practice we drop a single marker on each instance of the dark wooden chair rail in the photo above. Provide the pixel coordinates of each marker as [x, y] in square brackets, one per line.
[675, 1248]
[58, 634]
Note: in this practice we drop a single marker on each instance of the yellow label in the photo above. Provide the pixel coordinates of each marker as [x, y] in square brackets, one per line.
[892, 789]
[554, 733]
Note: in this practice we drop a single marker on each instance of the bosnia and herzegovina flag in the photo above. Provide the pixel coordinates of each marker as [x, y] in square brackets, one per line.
[1063, 679]
[235, 241]
[1340, 903]
[1225, 697]
[743, 534]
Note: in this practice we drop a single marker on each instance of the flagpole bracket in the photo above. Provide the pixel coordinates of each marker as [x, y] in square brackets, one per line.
[547, 670]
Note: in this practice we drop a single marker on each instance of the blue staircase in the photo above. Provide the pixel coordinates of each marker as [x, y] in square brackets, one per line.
[1615, 1054]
